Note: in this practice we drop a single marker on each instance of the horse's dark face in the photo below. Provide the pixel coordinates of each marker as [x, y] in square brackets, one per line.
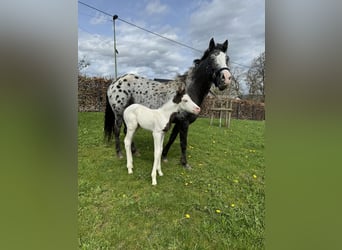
[216, 59]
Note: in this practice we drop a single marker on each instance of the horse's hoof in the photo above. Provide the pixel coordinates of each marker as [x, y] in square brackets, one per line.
[165, 159]
[119, 155]
[137, 153]
[187, 167]
[160, 173]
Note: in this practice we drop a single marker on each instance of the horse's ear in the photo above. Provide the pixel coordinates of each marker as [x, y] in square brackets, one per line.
[225, 46]
[197, 61]
[211, 44]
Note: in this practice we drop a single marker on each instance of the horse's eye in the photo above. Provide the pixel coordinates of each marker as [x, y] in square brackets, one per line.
[185, 100]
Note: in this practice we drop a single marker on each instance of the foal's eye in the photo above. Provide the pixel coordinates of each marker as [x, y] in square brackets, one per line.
[185, 100]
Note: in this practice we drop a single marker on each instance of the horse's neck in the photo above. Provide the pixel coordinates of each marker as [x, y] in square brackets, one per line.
[168, 108]
[198, 83]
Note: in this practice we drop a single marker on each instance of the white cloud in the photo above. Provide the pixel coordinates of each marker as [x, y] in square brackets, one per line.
[241, 22]
[139, 52]
[99, 18]
[155, 7]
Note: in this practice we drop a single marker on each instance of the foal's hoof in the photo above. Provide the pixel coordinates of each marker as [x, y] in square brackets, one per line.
[119, 155]
[165, 159]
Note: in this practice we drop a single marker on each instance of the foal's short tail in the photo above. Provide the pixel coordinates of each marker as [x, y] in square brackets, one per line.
[109, 122]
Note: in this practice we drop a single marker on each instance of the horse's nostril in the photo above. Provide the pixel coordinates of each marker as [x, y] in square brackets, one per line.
[229, 78]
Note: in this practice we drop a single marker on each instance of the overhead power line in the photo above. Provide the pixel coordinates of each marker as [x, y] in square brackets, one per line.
[151, 32]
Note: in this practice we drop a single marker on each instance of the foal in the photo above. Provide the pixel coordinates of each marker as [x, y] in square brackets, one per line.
[158, 121]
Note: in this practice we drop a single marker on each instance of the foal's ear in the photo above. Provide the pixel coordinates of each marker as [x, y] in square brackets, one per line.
[225, 46]
[211, 44]
[181, 90]
[179, 94]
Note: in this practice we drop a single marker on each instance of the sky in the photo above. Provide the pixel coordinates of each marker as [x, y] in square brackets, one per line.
[193, 23]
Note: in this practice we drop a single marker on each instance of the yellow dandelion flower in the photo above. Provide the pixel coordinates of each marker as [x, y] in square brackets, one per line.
[187, 216]
[236, 181]
[218, 211]
[186, 183]
[232, 205]
[254, 176]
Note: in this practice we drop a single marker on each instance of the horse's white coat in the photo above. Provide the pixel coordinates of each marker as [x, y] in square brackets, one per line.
[221, 61]
[154, 120]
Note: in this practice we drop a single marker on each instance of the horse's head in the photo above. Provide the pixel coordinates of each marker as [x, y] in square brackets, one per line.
[185, 102]
[216, 60]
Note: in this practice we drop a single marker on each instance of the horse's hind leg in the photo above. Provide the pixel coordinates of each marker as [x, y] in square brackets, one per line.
[117, 128]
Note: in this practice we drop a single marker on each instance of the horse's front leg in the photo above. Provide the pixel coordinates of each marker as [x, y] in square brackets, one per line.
[158, 142]
[172, 138]
[183, 135]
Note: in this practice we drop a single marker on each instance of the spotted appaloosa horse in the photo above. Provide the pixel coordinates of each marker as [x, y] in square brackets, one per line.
[128, 89]
[158, 121]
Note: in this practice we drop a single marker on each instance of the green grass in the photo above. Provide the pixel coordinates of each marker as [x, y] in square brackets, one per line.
[224, 193]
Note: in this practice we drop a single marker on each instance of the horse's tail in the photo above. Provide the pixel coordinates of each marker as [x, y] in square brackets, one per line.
[109, 121]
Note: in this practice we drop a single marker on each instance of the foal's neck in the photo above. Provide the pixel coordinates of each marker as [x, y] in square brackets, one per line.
[168, 108]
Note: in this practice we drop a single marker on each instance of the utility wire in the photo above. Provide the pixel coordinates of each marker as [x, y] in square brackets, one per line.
[156, 34]
[151, 32]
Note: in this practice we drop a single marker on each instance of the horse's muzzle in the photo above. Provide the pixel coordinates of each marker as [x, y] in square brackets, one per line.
[223, 79]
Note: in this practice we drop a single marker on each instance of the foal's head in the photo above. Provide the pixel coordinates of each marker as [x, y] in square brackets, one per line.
[185, 103]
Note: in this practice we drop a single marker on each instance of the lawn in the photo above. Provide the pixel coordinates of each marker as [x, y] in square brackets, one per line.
[219, 204]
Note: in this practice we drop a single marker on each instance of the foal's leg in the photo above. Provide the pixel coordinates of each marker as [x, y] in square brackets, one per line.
[117, 128]
[172, 138]
[133, 147]
[128, 143]
[157, 138]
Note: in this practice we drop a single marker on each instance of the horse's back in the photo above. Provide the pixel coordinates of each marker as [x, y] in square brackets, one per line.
[131, 88]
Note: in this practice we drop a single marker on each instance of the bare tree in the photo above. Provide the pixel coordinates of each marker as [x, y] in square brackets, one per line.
[255, 78]
[82, 64]
[235, 88]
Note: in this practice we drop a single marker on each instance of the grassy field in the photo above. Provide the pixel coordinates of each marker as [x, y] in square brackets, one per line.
[219, 204]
